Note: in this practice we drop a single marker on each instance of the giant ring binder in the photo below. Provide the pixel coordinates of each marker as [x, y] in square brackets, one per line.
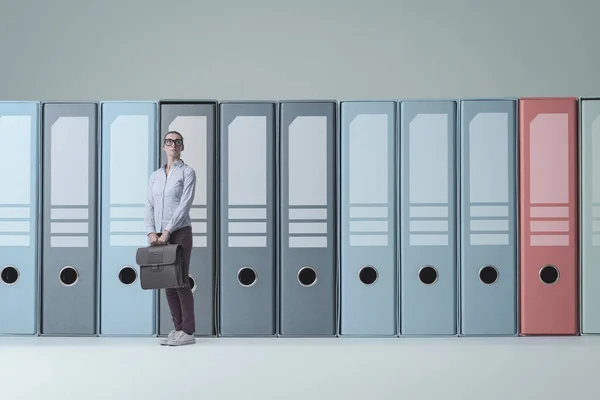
[161, 267]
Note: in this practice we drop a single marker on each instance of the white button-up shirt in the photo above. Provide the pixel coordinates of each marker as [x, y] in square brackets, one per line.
[169, 198]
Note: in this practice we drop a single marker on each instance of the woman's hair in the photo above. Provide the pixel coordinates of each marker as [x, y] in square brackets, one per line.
[176, 133]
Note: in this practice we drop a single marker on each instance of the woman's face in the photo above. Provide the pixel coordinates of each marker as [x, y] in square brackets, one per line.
[173, 145]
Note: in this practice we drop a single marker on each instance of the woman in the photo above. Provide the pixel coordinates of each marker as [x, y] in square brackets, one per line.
[171, 191]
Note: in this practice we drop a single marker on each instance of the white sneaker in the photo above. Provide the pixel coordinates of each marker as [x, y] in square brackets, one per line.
[164, 340]
[180, 339]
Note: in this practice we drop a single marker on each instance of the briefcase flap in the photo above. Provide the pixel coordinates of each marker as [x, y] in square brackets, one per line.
[158, 255]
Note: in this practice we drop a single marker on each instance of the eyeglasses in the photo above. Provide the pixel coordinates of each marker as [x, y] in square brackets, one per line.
[169, 142]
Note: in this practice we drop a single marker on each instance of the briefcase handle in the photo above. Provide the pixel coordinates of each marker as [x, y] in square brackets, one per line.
[159, 234]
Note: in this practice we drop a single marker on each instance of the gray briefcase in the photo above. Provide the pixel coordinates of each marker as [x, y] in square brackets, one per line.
[161, 267]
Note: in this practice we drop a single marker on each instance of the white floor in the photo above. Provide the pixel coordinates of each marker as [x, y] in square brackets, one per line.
[311, 369]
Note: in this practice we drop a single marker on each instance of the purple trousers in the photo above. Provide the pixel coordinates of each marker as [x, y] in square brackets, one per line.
[181, 300]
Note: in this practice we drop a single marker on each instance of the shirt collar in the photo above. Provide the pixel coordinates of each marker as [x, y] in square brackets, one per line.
[176, 164]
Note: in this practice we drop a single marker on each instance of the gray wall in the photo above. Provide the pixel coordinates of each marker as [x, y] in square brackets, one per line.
[269, 49]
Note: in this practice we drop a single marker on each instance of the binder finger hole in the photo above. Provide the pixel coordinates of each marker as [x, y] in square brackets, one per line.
[428, 275]
[549, 274]
[247, 276]
[9, 275]
[488, 274]
[368, 275]
[127, 275]
[192, 283]
[68, 276]
[307, 276]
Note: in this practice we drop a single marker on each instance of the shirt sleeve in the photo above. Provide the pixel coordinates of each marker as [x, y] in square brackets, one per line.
[149, 213]
[187, 197]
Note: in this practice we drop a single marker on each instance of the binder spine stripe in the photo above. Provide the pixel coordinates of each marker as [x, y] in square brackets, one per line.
[368, 225]
[247, 226]
[489, 225]
[549, 157]
[69, 214]
[428, 203]
[307, 182]
[488, 179]
[549, 225]
[247, 182]
[15, 225]
[428, 225]
[69, 226]
[127, 225]
[307, 227]
[15, 207]
[367, 186]
[198, 215]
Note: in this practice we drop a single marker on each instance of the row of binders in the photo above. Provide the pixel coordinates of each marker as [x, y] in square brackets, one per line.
[310, 218]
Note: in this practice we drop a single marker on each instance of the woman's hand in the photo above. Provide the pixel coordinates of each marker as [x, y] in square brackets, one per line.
[153, 239]
[164, 238]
